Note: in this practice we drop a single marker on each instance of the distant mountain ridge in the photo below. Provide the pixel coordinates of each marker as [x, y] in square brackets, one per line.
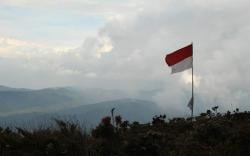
[129, 109]
[90, 105]
[24, 100]
[5, 88]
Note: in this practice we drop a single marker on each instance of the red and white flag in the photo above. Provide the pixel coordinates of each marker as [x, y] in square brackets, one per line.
[181, 59]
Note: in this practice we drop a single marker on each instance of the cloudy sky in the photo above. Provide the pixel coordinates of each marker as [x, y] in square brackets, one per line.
[121, 44]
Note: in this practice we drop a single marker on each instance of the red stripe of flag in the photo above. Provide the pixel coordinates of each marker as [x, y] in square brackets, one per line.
[179, 55]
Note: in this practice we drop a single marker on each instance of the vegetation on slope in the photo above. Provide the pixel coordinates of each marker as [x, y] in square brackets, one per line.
[210, 133]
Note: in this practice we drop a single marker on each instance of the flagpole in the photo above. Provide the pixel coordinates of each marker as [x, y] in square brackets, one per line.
[192, 112]
[178, 57]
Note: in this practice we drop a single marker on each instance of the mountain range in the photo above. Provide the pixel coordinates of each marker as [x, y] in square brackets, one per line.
[20, 106]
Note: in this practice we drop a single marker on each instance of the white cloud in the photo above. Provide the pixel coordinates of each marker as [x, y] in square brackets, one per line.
[128, 53]
[187, 78]
[218, 43]
[90, 75]
[83, 7]
[104, 47]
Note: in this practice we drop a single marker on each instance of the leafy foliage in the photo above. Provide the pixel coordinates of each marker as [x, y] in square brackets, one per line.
[210, 133]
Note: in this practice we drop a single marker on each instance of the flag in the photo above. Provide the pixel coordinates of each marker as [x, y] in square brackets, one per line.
[191, 103]
[181, 59]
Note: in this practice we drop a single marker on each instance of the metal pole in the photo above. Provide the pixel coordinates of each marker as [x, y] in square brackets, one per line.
[192, 113]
